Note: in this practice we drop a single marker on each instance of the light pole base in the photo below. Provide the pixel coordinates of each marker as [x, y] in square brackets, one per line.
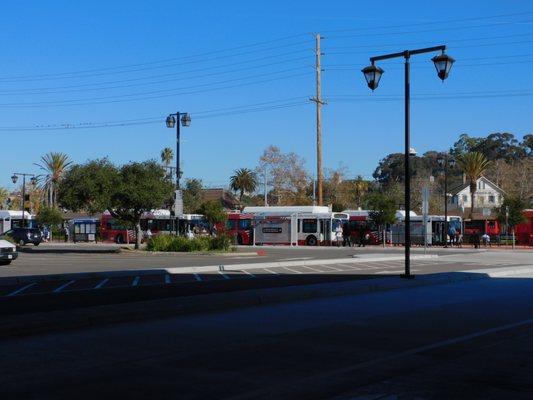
[405, 276]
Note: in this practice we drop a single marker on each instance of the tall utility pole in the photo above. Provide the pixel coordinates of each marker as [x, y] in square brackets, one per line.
[319, 102]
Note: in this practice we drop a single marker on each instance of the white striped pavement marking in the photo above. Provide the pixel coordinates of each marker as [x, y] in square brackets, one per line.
[167, 278]
[313, 269]
[292, 270]
[21, 289]
[248, 273]
[349, 266]
[136, 281]
[271, 271]
[223, 274]
[198, 277]
[63, 286]
[102, 283]
[331, 268]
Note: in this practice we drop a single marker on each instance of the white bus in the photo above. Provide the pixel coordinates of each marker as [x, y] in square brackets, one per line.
[295, 225]
[10, 219]
[434, 229]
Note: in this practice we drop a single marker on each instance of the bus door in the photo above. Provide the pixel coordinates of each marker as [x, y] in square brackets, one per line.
[325, 231]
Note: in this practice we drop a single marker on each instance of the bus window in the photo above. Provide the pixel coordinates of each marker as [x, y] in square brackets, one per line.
[309, 225]
[245, 224]
[231, 224]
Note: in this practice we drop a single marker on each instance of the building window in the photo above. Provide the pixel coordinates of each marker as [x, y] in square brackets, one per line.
[481, 199]
[465, 198]
[491, 198]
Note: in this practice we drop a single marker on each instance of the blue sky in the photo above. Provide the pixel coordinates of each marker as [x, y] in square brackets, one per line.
[81, 64]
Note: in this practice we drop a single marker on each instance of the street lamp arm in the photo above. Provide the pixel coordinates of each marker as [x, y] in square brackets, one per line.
[408, 53]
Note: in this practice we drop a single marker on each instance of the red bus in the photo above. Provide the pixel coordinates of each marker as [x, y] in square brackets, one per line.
[360, 223]
[481, 226]
[524, 231]
[112, 230]
[240, 227]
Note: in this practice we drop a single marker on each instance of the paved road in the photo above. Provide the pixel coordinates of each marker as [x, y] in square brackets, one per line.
[40, 293]
[468, 340]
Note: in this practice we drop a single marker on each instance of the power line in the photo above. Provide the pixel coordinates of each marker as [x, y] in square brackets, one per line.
[433, 22]
[273, 104]
[74, 75]
[429, 30]
[51, 90]
[156, 93]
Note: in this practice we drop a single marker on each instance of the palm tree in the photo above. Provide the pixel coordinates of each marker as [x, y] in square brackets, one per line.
[243, 180]
[361, 188]
[55, 165]
[473, 165]
[166, 156]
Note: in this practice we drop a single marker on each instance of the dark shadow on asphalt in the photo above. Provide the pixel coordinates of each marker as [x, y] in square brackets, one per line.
[35, 250]
[43, 299]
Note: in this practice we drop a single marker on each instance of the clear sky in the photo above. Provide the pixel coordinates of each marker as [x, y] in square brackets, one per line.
[244, 71]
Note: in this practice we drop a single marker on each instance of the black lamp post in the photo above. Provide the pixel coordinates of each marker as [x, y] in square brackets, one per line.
[444, 163]
[171, 120]
[443, 64]
[15, 178]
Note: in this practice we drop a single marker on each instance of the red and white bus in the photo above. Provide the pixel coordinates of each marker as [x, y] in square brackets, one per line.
[240, 227]
[524, 231]
[361, 224]
[112, 230]
[295, 225]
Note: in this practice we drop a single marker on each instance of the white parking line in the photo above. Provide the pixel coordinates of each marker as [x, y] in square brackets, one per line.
[331, 268]
[21, 289]
[223, 274]
[292, 270]
[271, 271]
[136, 281]
[102, 283]
[167, 278]
[63, 286]
[313, 269]
[248, 273]
[198, 277]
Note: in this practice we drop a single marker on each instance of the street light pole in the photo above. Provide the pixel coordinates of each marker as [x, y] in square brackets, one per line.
[443, 64]
[14, 178]
[178, 119]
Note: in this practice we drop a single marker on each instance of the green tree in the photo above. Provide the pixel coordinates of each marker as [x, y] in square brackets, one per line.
[50, 216]
[213, 212]
[89, 187]
[243, 181]
[193, 195]
[4, 196]
[126, 192]
[515, 206]
[473, 165]
[382, 210]
[55, 165]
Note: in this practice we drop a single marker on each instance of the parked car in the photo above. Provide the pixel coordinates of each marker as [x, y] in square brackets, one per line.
[8, 252]
[22, 236]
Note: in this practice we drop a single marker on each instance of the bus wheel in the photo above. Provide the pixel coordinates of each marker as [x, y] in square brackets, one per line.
[239, 239]
[119, 239]
[311, 241]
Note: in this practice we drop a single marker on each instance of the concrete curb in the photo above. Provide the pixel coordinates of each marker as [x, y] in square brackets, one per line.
[209, 268]
[38, 323]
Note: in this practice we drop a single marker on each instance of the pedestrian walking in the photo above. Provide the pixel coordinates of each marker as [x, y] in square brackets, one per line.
[362, 236]
[346, 233]
[67, 233]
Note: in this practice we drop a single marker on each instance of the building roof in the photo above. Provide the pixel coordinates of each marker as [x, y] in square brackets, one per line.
[226, 198]
[463, 186]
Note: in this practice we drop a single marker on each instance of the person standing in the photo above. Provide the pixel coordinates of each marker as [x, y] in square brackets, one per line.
[345, 232]
[67, 233]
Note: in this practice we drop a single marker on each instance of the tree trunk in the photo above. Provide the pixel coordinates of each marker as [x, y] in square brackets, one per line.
[472, 198]
[138, 235]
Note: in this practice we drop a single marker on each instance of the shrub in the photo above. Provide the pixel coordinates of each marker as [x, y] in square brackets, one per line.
[182, 244]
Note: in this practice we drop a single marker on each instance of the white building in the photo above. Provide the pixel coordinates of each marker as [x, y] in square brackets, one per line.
[487, 196]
